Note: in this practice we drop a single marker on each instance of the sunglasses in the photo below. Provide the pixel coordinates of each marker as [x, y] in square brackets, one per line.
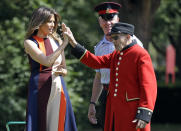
[116, 37]
[108, 17]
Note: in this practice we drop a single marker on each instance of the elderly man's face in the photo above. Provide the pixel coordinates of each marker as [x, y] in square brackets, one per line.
[107, 25]
[119, 40]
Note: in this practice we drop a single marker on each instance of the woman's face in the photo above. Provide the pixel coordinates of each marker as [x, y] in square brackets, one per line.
[48, 27]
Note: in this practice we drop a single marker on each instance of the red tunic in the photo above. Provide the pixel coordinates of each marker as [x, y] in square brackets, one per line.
[132, 87]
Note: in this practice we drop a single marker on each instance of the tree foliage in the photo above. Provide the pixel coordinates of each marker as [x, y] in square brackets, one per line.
[167, 29]
[139, 13]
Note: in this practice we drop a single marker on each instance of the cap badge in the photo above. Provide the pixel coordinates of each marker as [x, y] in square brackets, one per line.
[107, 10]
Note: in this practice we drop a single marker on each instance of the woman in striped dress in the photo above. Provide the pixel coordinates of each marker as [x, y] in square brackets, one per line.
[48, 106]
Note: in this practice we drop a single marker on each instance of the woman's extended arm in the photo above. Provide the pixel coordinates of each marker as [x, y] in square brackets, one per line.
[39, 56]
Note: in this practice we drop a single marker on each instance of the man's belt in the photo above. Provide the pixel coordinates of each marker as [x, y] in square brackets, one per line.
[105, 86]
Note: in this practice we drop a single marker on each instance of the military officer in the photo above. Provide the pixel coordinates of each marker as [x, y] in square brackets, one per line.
[107, 16]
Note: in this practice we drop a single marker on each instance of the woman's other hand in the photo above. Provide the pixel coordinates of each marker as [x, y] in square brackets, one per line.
[59, 70]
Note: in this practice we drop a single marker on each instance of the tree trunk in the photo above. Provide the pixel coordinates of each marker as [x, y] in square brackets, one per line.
[139, 13]
[178, 53]
[178, 61]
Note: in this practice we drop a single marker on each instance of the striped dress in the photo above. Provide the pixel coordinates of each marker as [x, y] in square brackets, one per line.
[49, 107]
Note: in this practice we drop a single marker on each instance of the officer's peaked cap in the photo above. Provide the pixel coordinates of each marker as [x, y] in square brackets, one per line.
[107, 8]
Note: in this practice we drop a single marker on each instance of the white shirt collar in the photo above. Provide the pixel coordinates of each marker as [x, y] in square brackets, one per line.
[104, 40]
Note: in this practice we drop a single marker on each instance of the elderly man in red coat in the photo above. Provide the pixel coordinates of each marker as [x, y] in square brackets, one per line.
[133, 87]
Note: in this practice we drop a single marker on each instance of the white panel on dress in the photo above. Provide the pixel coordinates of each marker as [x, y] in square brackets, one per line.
[53, 107]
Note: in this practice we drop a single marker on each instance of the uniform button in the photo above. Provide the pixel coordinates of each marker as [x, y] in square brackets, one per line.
[116, 74]
[121, 53]
[115, 94]
[149, 113]
[117, 68]
[118, 63]
[138, 111]
[116, 85]
[116, 79]
[116, 90]
[120, 58]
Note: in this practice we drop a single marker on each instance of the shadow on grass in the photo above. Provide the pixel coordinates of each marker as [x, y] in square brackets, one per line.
[155, 127]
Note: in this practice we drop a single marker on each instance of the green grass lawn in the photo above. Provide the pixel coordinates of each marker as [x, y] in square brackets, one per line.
[166, 127]
[155, 127]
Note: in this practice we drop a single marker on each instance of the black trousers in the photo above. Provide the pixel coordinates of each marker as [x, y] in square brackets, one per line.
[101, 109]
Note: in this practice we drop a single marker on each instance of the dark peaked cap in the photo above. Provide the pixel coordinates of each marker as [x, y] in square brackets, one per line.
[107, 8]
[122, 28]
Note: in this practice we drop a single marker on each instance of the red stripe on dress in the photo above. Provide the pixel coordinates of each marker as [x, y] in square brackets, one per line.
[44, 86]
[62, 112]
[44, 83]
[48, 46]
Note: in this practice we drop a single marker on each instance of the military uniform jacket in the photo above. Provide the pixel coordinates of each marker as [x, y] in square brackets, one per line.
[133, 87]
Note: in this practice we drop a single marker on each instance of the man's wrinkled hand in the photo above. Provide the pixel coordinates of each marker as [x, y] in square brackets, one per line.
[67, 33]
[92, 114]
[140, 123]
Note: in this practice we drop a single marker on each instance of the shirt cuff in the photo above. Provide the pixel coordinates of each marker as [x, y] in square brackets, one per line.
[144, 114]
[97, 70]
